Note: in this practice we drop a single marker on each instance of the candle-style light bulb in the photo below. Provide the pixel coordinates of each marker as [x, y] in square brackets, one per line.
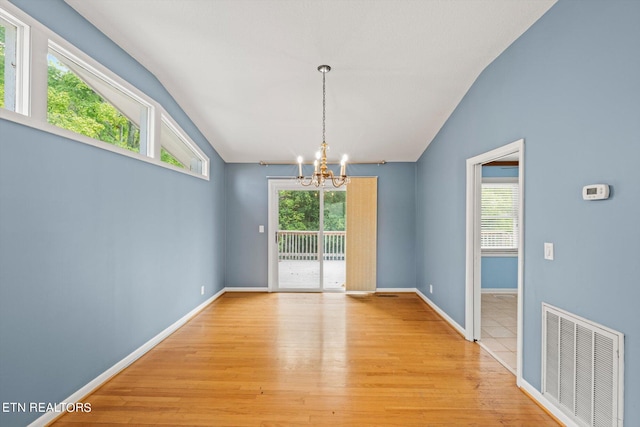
[315, 166]
[299, 165]
[343, 165]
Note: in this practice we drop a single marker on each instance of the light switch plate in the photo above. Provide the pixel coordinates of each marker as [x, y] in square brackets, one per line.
[261, 229]
[548, 251]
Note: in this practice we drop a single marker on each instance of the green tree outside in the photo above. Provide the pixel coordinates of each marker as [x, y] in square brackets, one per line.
[2, 41]
[300, 210]
[73, 105]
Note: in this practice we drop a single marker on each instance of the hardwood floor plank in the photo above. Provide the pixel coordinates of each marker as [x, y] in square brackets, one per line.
[313, 359]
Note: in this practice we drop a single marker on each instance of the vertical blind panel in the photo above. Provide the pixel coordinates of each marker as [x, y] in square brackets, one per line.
[499, 216]
[362, 224]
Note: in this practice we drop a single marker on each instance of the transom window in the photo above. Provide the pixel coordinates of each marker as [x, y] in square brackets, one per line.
[176, 150]
[82, 101]
[13, 39]
[7, 65]
[72, 95]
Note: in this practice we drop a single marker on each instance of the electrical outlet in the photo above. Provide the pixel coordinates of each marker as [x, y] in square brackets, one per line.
[430, 289]
[201, 290]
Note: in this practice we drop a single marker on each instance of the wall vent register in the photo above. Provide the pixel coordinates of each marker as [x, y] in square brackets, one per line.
[582, 368]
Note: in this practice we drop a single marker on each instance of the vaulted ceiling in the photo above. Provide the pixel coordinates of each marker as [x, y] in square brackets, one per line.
[245, 71]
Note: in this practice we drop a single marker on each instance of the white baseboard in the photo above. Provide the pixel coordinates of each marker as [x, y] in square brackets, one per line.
[544, 402]
[391, 290]
[247, 289]
[499, 291]
[115, 369]
[136, 354]
[444, 315]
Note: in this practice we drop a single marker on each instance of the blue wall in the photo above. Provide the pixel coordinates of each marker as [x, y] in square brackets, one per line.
[569, 86]
[247, 201]
[499, 272]
[98, 252]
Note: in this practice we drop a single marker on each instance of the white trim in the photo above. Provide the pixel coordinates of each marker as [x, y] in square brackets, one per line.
[441, 312]
[23, 41]
[76, 137]
[545, 403]
[617, 337]
[488, 253]
[276, 184]
[472, 249]
[175, 128]
[38, 39]
[513, 291]
[149, 345]
[132, 357]
[399, 290]
[101, 72]
[474, 254]
[500, 179]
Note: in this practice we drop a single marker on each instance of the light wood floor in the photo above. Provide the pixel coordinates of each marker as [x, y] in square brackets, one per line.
[260, 359]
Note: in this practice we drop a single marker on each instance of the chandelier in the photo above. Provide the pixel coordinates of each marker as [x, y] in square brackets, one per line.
[321, 172]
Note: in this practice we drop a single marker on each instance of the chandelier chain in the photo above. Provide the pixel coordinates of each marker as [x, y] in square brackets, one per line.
[324, 109]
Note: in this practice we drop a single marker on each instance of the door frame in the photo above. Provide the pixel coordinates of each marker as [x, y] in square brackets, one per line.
[473, 253]
[276, 185]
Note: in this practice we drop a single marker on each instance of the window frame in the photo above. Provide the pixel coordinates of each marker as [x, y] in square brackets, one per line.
[35, 44]
[181, 134]
[146, 139]
[501, 252]
[23, 41]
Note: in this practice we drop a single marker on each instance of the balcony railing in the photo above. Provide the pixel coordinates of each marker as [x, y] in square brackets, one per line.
[303, 245]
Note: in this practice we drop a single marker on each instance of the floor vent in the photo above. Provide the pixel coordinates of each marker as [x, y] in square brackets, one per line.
[582, 368]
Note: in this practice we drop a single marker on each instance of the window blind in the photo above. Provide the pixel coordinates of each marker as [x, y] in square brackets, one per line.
[362, 231]
[499, 216]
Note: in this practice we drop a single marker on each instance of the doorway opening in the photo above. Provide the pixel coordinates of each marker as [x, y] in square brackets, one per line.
[307, 249]
[494, 242]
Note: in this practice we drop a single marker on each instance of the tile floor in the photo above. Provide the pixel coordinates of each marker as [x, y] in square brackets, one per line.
[499, 327]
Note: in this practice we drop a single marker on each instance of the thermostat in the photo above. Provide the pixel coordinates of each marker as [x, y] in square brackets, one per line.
[595, 192]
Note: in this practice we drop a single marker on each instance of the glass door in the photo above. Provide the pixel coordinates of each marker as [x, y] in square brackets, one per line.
[307, 250]
[298, 237]
[334, 240]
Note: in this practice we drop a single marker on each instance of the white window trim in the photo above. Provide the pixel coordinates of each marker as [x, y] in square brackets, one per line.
[34, 45]
[23, 41]
[500, 253]
[121, 85]
[171, 124]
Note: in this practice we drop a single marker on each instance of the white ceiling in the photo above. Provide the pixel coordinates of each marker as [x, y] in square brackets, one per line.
[245, 71]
